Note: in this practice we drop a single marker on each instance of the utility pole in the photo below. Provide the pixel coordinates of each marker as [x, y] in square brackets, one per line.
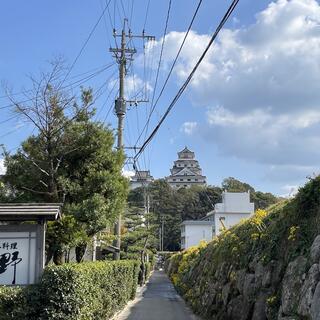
[161, 232]
[122, 55]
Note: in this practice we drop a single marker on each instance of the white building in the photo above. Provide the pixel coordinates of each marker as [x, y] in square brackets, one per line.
[235, 207]
[195, 231]
[186, 171]
[140, 179]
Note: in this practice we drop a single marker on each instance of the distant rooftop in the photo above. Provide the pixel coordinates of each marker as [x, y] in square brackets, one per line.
[186, 153]
[141, 175]
[197, 222]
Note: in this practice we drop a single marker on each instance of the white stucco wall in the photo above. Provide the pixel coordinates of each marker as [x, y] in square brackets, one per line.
[230, 219]
[235, 207]
[235, 202]
[194, 234]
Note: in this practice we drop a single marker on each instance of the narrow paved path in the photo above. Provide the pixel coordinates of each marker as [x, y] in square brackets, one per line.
[157, 301]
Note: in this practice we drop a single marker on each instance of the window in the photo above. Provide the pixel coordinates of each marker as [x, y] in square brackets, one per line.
[196, 179]
[185, 165]
[185, 185]
[189, 179]
[181, 179]
[174, 179]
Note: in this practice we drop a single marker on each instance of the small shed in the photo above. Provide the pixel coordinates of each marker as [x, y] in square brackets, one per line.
[22, 240]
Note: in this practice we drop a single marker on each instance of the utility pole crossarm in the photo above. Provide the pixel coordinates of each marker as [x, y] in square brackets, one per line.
[118, 50]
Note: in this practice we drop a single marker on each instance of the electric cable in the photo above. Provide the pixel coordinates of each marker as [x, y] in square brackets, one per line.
[85, 43]
[187, 81]
[78, 82]
[170, 72]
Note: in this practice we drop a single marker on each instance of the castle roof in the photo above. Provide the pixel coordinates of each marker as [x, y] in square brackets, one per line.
[186, 153]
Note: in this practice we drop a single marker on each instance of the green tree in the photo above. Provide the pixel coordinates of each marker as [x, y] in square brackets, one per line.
[261, 200]
[233, 185]
[174, 206]
[70, 160]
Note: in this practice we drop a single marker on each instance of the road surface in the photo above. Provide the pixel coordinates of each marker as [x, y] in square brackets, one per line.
[157, 301]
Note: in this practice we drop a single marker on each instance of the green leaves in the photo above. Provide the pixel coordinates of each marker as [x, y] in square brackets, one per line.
[71, 160]
[86, 291]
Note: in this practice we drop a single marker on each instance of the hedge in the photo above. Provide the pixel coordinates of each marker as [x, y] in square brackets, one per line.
[92, 290]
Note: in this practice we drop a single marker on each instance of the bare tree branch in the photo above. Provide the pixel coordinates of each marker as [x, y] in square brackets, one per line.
[36, 165]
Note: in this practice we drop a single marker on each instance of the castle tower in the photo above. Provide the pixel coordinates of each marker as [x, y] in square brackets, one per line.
[186, 171]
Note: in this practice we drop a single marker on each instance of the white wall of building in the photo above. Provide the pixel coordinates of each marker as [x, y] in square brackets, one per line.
[235, 202]
[192, 234]
[228, 220]
[235, 207]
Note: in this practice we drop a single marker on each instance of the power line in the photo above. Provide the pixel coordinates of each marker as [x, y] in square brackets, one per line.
[113, 87]
[9, 119]
[146, 16]
[123, 9]
[145, 128]
[100, 68]
[161, 51]
[78, 82]
[86, 42]
[97, 95]
[187, 81]
[131, 13]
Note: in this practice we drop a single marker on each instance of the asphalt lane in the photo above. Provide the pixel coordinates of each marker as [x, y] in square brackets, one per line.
[157, 301]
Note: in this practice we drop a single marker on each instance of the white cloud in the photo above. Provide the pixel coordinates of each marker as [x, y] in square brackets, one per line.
[189, 128]
[289, 191]
[260, 85]
[292, 174]
[2, 167]
[128, 173]
[267, 138]
[135, 87]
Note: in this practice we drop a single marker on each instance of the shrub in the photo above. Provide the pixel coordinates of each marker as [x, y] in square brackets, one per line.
[281, 233]
[85, 291]
[148, 270]
[11, 303]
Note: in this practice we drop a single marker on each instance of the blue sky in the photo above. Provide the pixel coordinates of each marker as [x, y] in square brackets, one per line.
[251, 111]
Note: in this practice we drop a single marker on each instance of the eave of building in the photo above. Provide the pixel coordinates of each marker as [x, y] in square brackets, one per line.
[185, 172]
[197, 223]
[212, 213]
[29, 211]
[187, 176]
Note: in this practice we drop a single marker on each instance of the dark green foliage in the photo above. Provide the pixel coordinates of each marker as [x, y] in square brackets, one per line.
[308, 198]
[12, 303]
[87, 179]
[149, 268]
[85, 291]
[278, 236]
[69, 159]
[174, 206]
